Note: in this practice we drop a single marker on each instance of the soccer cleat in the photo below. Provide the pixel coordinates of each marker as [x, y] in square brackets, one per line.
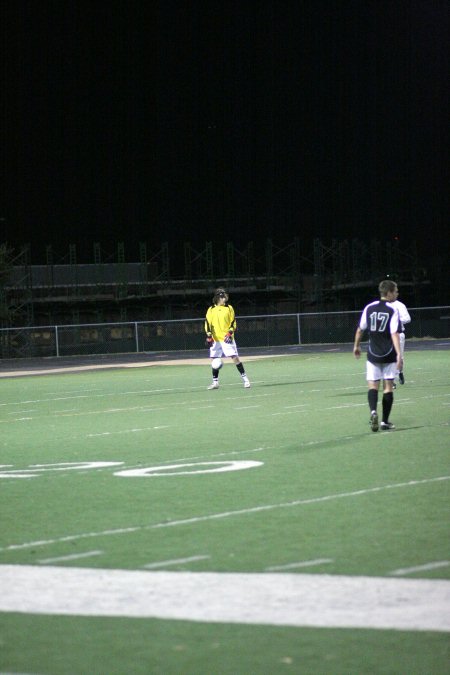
[374, 421]
[246, 382]
[386, 426]
[214, 385]
[401, 377]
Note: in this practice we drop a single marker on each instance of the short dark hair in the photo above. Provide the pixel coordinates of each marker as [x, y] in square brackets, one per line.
[386, 286]
[220, 293]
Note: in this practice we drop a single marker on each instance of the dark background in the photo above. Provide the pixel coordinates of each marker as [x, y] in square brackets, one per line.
[224, 121]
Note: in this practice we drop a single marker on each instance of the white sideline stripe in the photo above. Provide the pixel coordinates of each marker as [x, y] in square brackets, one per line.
[225, 514]
[420, 568]
[271, 599]
[178, 561]
[74, 556]
[290, 412]
[305, 563]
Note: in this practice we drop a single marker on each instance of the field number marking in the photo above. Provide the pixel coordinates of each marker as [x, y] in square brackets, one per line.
[38, 469]
[219, 467]
[35, 470]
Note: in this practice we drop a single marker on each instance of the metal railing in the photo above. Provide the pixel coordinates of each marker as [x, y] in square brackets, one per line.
[188, 334]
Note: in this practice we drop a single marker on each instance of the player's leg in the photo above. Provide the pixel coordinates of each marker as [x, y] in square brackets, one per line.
[231, 351]
[388, 395]
[373, 376]
[401, 376]
[215, 352]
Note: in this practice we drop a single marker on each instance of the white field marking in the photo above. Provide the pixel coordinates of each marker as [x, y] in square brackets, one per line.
[34, 470]
[103, 395]
[73, 391]
[304, 563]
[202, 407]
[138, 408]
[299, 405]
[126, 431]
[144, 409]
[346, 405]
[220, 467]
[224, 514]
[227, 453]
[246, 407]
[420, 568]
[178, 561]
[233, 398]
[74, 556]
[19, 412]
[158, 391]
[290, 412]
[315, 600]
[65, 398]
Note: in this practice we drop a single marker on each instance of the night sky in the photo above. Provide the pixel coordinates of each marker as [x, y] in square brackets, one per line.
[201, 121]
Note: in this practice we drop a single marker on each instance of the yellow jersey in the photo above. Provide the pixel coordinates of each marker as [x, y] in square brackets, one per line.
[219, 320]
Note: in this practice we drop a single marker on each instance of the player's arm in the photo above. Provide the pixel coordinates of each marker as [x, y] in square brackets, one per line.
[232, 325]
[394, 325]
[208, 329]
[359, 333]
[404, 314]
[357, 343]
[396, 342]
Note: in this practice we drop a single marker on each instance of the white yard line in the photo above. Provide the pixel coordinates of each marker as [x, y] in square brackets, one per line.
[420, 568]
[202, 407]
[246, 407]
[177, 561]
[74, 556]
[264, 599]
[225, 514]
[126, 431]
[290, 412]
[297, 565]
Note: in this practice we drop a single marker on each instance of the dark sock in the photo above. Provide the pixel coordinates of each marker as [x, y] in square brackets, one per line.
[372, 395]
[240, 367]
[388, 400]
[215, 374]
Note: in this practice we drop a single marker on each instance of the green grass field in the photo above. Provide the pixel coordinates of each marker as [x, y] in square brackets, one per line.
[125, 475]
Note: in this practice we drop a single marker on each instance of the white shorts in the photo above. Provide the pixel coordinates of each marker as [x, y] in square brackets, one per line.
[381, 371]
[223, 349]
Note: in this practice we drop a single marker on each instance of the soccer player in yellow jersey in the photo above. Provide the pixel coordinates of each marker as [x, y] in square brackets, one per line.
[220, 324]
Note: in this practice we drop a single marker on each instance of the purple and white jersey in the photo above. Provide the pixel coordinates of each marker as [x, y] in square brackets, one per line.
[380, 319]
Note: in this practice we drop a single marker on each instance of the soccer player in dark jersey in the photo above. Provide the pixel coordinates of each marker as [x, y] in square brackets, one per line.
[220, 325]
[384, 359]
[404, 317]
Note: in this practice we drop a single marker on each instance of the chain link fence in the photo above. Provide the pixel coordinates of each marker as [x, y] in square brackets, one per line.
[188, 334]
